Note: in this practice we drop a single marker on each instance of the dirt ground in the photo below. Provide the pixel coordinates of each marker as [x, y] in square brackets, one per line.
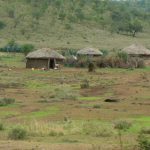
[33, 92]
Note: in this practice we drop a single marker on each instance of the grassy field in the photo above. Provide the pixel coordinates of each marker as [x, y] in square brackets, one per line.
[58, 114]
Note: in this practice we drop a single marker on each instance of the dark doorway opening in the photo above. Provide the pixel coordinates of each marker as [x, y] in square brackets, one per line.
[52, 64]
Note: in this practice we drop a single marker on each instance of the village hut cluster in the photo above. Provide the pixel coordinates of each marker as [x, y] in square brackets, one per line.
[50, 59]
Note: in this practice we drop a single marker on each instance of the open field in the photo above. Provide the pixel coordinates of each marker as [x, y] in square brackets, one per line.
[60, 115]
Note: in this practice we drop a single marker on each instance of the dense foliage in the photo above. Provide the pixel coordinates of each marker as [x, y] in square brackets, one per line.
[12, 46]
[123, 17]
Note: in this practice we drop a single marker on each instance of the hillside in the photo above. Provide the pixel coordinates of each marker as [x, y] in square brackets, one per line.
[71, 23]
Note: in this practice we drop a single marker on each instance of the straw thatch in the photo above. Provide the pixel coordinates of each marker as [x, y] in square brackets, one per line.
[89, 51]
[45, 53]
[137, 50]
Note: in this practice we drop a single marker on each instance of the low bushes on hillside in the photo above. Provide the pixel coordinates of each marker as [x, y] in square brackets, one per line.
[1, 126]
[12, 46]
[17, 134]
[143, 141]
[6, 101]
[84, 84]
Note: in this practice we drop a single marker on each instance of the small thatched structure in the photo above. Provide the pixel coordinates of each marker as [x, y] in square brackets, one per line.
[137, 50]
[43, 58]
[89, 52]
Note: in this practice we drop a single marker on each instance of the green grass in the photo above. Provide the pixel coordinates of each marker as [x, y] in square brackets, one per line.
[8, 113]
[90, 98]
[139, 123]
[37, 85]
[143, 118]
[95, 98]
[42, 113]
[11, 60]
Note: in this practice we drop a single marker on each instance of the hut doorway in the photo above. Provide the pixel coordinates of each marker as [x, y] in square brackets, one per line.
[52, 63]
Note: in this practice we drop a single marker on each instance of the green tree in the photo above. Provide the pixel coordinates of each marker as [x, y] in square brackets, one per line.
[2, 25]
[26, 48]
[134, 27]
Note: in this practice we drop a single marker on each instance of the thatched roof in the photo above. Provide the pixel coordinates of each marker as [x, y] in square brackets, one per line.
[136, 49]
[45, 53]
[89, 51]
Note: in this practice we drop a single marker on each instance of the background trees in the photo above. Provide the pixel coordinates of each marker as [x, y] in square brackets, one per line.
[122, 17]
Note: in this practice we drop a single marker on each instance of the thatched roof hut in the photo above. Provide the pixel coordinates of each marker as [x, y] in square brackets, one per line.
[43, 58]
[89, 52]
[137, 50]
[45, 53]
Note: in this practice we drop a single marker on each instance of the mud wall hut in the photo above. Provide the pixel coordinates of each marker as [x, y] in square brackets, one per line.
[138, 50]
[44, 58]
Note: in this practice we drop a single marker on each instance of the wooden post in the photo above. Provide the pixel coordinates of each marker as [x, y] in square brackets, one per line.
[48, 63]
[54, 62]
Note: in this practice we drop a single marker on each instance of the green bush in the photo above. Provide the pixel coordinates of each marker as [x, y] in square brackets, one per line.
[65, 93]
[84, 84]
[82, 62]
[143, 142]
[6, 101]
[12, 46]
[26, 48]
[1, 126]
[68, 26]
[52, 133]
[97, 106]
[2, 25]
[91, 67]
[122, 125]
[55, 133]
[145, 130]
[17, 134]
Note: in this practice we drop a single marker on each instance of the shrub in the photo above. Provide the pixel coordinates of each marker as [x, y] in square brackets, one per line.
[143, 142]
[94, 129]
[55, 133]
[97, 106]
[1, 126]
[68, 26]
[82, 62]
[6, 101]
[103, 133]
[145, 131]
[2, 25]
[70, 62]
[140, 63]
[123, 56]
[11, 46]
[84, 84]
[52, 133]
[26, 48]
[65, 93]
[105, 52]
[17, 134]
[122, 125]
[91, 67]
